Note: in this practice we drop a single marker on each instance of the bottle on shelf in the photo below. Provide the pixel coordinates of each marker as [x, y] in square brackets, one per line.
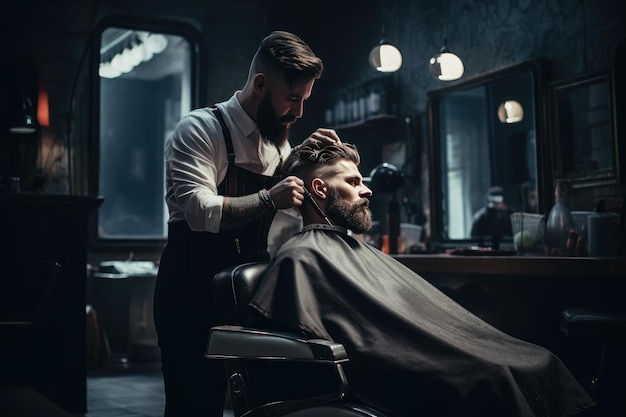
[362, 91]
[373, 107]
[340, 110]
[329, 113]
[559, 223]
[354, 105]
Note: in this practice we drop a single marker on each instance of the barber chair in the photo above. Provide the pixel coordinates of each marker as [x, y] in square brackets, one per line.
[605, 333]
[273, 373]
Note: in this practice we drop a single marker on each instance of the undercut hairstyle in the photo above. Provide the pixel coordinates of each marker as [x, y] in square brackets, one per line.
[315, 158]
[287, 54]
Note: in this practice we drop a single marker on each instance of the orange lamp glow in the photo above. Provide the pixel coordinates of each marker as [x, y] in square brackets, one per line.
[43, 111]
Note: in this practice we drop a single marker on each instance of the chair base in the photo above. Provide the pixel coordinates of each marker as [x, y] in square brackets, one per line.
[600, 337]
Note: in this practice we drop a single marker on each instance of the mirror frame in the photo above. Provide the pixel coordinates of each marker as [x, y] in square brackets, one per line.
[604, 129]
[544, 173]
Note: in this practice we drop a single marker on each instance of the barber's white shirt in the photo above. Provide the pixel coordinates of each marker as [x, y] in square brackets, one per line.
[196, 162]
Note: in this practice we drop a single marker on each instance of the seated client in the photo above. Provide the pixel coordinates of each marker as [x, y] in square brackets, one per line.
[413, 351]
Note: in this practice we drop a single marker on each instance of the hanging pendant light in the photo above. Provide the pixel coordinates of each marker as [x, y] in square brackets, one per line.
[385, 57]
[446, 66]
[510, 111]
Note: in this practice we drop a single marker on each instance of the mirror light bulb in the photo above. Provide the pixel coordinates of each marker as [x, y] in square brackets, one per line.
[106, 70]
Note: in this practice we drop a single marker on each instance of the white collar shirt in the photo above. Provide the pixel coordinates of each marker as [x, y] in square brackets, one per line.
[196, 162]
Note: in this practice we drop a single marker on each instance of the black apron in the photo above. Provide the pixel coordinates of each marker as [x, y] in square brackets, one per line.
[184, 309]
[211, 252]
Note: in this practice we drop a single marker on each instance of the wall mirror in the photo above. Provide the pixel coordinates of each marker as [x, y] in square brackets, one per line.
[582, 132]
[484, 139]
[145, 79]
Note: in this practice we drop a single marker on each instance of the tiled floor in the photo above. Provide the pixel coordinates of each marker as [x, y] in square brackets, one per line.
[127, 391]
[132, 391]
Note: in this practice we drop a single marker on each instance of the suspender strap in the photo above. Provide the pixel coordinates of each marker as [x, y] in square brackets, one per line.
[231, 172]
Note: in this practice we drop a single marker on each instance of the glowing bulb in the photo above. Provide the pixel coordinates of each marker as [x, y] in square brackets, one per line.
[156, 43]
[106, 70]
[510, 111]
[120, 63]
[385, 58]
[446, 66]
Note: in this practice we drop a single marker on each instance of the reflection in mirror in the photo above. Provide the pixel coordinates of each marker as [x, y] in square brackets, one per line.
[484, 154]
[145, 85]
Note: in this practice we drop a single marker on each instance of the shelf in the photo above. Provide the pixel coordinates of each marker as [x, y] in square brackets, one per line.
[369, 122]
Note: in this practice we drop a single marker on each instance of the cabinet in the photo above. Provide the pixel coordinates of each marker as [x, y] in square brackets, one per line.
[121, 292]
[53, 227]
[524, 295]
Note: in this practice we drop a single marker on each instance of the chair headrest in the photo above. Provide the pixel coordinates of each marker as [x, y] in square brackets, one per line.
[233, 289]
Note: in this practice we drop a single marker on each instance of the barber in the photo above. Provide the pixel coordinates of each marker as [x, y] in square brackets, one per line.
[224, 185]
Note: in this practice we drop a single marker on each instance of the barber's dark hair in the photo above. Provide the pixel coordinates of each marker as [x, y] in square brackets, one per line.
[314, 156]
[289, 55]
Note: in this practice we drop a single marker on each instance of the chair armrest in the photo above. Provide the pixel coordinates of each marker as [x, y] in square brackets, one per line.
[238, 342]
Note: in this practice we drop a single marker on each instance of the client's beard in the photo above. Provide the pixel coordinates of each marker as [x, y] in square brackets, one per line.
[270, 125]
[356, 217]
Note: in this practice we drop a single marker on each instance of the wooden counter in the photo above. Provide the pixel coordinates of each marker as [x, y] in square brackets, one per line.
[516, 265]
[524, 295]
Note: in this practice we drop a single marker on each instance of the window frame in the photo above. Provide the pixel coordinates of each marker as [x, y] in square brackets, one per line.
[197, 96]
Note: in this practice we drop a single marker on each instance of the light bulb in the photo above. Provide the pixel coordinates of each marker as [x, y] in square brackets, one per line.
[156, 43]
[136, 54]
[146, 53]
[446, 66]
[510, 111]
[106, 70]
[385, 58]
[120, 64]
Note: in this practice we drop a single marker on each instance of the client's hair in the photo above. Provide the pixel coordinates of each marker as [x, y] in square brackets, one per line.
[317, 158]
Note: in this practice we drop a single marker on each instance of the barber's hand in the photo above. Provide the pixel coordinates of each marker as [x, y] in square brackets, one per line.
[326, 135]
[288, 193]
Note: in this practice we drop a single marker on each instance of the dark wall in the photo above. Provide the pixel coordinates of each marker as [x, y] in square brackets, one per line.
[575, 36]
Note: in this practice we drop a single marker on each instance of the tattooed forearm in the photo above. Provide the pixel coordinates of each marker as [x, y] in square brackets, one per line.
[238, 211]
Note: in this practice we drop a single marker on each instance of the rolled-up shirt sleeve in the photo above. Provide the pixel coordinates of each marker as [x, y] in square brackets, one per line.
[196, 162]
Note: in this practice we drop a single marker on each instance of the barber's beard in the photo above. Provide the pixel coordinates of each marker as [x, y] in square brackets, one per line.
[356, 217]
[270, 125]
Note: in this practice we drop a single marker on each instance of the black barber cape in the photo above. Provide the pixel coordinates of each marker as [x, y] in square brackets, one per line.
[413, 351]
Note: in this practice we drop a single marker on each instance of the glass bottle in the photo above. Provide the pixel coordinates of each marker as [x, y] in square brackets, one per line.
[374, 99]
[559, 222]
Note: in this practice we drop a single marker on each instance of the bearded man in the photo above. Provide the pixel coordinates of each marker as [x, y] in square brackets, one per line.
[413, 351]
[224, 186]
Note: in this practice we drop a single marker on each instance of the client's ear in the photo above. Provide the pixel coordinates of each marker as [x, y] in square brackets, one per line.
[318, 187]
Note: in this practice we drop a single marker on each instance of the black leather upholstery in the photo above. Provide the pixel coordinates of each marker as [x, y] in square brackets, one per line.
[273, 373]
[233, 289]
[579, 321]
[591, 329]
